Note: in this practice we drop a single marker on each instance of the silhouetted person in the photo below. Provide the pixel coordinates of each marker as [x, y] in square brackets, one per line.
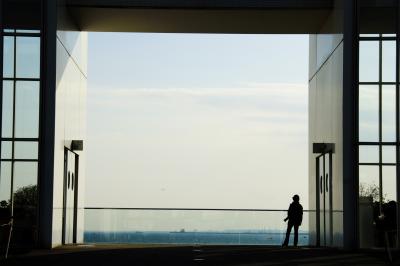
[386, 224]
[295, 217]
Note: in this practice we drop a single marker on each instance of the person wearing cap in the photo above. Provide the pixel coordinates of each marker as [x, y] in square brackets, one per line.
[295, 217]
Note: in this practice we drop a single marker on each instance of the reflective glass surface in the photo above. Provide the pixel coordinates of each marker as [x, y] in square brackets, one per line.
[5, 182]
[27, 109]
[377, 183]
[8, 57]
[369, 35]
[215, 227]
[368, 154]
[389, 183]
[369, 61]
[25, 175]
[6, 150]
[368, 113]
[27, 31]
[369, 181]
[389, 154]
[389, 61]
[28, 57]
[389, 113]
[7, 112]
[26, 150]
[20, 119]
[25, 198]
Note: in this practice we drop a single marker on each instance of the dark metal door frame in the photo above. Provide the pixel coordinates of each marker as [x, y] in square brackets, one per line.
[75, 210]
[321, 184]
[317, 205]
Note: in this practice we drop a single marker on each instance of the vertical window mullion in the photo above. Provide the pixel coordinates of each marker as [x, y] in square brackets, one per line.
[1, 72]
[380, 126]
[13, 126]
[397, 130]
[397, 121]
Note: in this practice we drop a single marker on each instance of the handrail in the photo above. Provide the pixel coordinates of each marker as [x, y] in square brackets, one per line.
[188, 209]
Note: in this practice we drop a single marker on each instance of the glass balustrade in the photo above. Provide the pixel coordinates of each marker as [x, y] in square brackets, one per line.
[189, 226]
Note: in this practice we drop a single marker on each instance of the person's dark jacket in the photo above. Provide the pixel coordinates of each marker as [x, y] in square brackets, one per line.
[295, 213]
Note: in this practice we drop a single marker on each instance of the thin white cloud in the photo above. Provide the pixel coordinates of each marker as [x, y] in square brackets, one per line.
[280, 90]
[181, 139]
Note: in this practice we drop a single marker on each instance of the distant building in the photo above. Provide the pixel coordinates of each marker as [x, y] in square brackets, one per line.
[353, 104]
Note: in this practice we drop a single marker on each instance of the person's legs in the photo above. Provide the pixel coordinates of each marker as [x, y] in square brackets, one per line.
[296, 235]
[289, 228]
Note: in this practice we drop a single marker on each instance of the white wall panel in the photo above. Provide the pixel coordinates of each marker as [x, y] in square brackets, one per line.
[325, 125]
[70, 115]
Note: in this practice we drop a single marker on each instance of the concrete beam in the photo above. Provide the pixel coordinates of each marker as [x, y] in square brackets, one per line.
[207, 4]
[201, 16]
[199, 20]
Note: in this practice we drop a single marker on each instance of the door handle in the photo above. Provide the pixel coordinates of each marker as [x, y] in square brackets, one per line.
[321, 185]
[326, 182]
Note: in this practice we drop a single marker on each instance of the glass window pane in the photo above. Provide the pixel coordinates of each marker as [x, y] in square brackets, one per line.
[389, 61]
[389, 35]
[368, 113]
[369, 61]
[8, 57]
[389, 154]
[9, 30]
[27, 109]
[7, 119]
[28, 31]
[25, 175]
[389, 183]
[389, 208]
[25, 194]
[369, 182]
[389, 113]
[5, 183]
[368, 154]
[28, 57]
[6, 150]
[26, 150]
[369, 35]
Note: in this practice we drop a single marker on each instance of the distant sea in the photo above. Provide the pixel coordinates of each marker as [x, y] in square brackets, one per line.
[193, 238]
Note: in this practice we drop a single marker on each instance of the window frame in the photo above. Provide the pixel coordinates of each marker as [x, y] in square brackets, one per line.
[37, 33]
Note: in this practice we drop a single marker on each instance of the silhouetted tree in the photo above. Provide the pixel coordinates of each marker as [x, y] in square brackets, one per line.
[370, 190]
[3, 204]
[25, 197]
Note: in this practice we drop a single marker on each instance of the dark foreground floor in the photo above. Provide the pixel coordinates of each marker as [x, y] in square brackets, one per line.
[198, 255]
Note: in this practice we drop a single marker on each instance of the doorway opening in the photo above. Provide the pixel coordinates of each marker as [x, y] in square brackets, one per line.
[197, 126]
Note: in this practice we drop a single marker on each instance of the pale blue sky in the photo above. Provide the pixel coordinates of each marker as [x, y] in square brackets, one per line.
[195, 60]
[194, 120]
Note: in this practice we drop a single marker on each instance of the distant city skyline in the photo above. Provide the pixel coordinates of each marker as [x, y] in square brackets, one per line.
[197, 121]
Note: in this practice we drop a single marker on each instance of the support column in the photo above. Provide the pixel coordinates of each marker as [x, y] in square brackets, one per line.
[350, 126]
[47, 124]
[397, 27]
